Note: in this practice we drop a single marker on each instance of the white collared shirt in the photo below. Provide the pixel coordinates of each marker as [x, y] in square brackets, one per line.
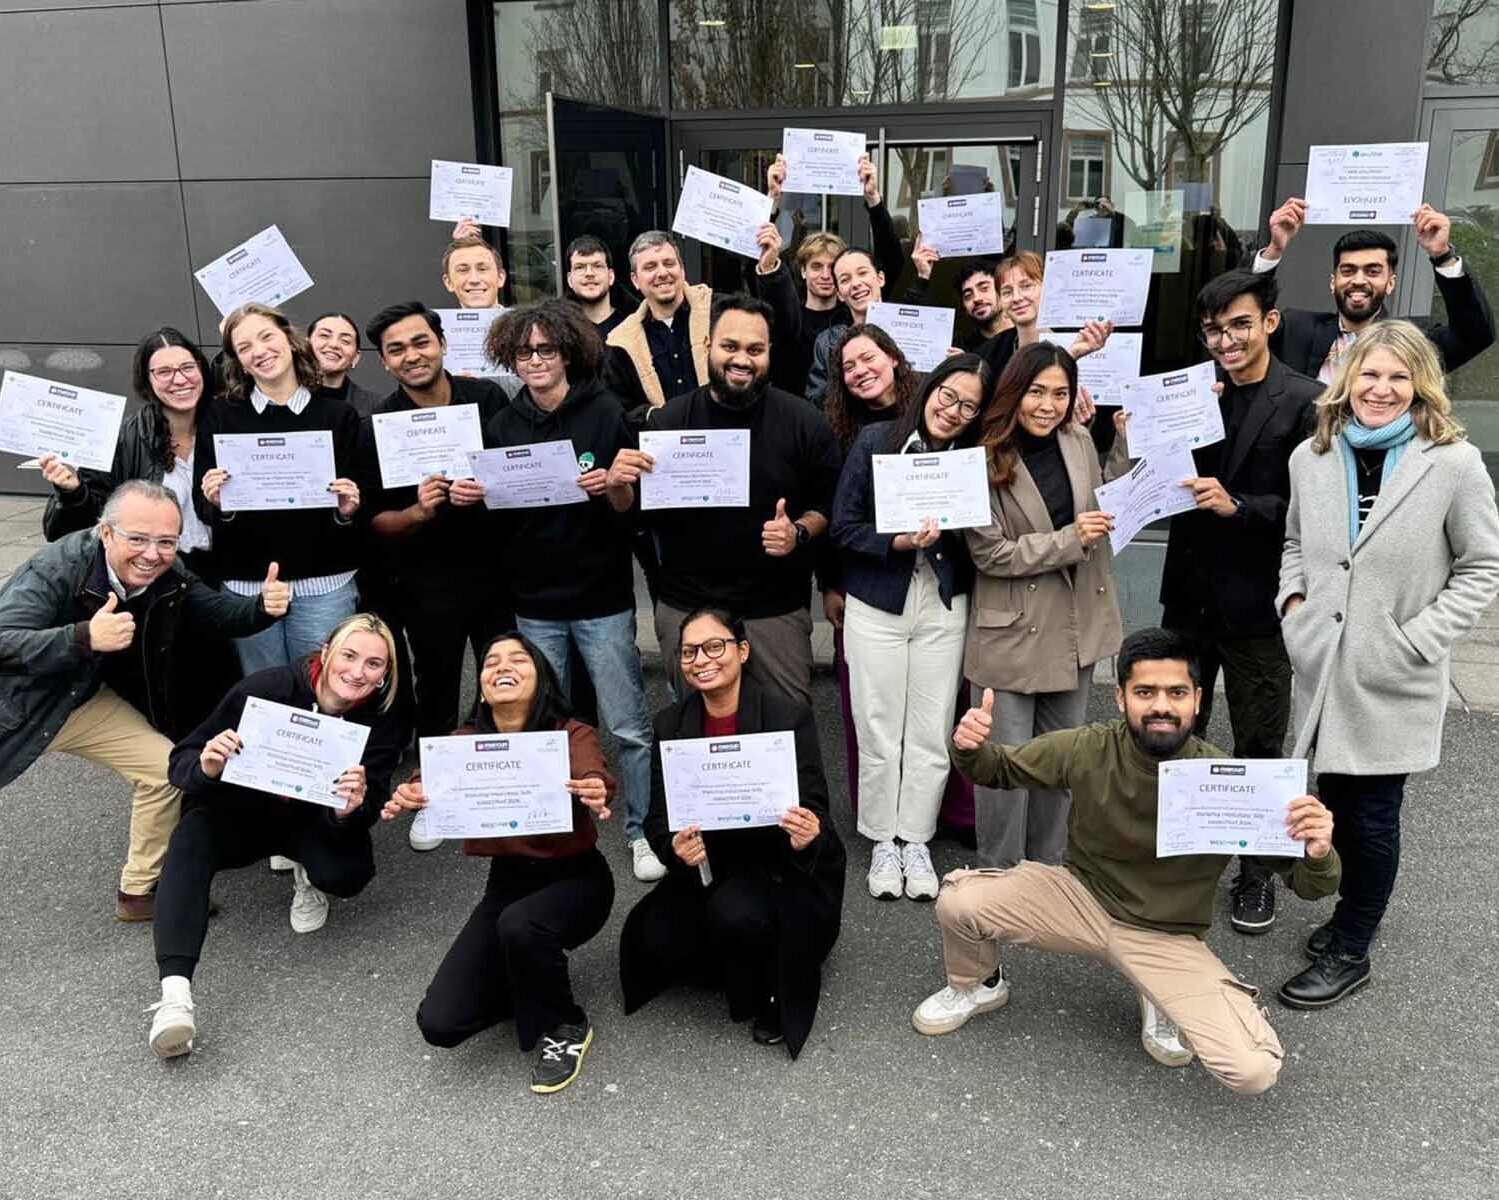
[299, 400]
[117, 586]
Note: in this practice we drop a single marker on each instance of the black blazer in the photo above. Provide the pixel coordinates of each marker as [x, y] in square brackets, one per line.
[1305, 337]
[1236, 559]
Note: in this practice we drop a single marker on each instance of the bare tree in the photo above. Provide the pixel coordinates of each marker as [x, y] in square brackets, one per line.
[1464, 42]
[599, 50]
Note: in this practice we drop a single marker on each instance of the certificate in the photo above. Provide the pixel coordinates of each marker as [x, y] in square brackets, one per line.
[959, 225]
[1152, 490]
[736, 782]
[721, 212]
[464, 331]
[1365, 185]
[77, 424]
[923, 332]
[1154, 221]
[295, 753]
[823, 161]
[540, 475]
[1228, 806]
[263, 270]
[696, 468]
[1179, 406]
[1095, 285]
[497, 784]
[473, 190]
[1105, 372]
[272, 472]
[426, 441]
[951, 486]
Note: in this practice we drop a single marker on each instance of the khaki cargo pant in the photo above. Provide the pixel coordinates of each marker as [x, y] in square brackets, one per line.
[1048, 908]
[111, 732]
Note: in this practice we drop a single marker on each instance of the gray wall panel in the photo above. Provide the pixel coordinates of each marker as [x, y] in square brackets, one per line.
[85, 97]
[337, 88]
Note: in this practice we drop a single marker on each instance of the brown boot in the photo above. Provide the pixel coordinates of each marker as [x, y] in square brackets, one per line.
[135, 908]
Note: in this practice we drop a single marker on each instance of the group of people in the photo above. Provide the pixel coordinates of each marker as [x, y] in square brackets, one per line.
[1344, 537]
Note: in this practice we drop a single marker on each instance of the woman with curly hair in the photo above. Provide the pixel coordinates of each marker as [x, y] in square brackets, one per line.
[873, 382]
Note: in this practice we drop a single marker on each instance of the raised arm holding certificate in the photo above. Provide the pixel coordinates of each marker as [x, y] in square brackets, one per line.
[541, 475]
[720, 212]
[1095, 285]
[923, 332]
[475, 191]
[263, 270]
[1365, 185]
[696, 468]
[958, 225]
[79, 425]
[294, 753]
[275, 472]
[1106, 370]
[822, 161]
[1151, 490]
[951, 488]
[497, 784]
[1178, 406]
[737, 782]
[1228, 806]
[426, 441]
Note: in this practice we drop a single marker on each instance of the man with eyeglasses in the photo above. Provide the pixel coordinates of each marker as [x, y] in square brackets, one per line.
[590, 282]
[1223, 560]
[89, 628]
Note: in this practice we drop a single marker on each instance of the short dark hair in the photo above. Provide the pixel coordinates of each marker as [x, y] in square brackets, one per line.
[549, 706]
[1222, 290]
[562, 322]
[387, 317]
[745, 303]
[1154, 645]
[982, 266]
[1365, 239]
[342, 316]
[731, 621]
[587, 244]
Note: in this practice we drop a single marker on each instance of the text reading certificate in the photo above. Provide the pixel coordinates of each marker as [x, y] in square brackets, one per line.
[1365, 185]
[1228, 806]
[79, 425]
[1178, 406]
[822, 161]
[720, 212]
[272, 472]
[951, 487]
[696, 468]
[476, 191]
[1095, 285]
[263, 270]
[540, 475]
[426, 441]
[1151, 490]
[922, 331]
[295, 753]
[736, 782]
[497, 784]
[959, 225]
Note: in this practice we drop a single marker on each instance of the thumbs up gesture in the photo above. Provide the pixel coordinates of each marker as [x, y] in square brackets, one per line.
[275, 596]
[109, 630]
[779, 534]
[977, 724]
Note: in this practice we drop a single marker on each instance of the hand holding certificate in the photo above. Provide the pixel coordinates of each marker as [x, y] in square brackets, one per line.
[294, 753]
[742, 781]
[959, 225]
[923, 332]
[1179, 406]
[949, 489]
[721, 212]
[1228, 806]
[476, 191]
[696, 468]
[1365, 185]
[1152, 490]
[822, 161]
[541, 475]
[1095, 285]
[497, 784]
[263, 269]
[77, 425]
[274, 472]
[426, 441]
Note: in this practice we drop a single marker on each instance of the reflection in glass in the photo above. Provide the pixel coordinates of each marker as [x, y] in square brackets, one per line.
[1472, 201]
[1463, 44]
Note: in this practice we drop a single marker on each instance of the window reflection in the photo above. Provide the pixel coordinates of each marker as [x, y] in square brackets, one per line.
[1463, 45]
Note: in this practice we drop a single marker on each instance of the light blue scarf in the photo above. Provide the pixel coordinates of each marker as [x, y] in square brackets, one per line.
[1392, 439]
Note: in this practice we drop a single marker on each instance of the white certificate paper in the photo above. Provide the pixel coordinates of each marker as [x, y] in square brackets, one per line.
[696, 468]
[721, 212]
[79, 425]
[1365, 185]
[1228, 806]
[497, 784]
[539, 475]
[1105, 372]
[959, 225]
[464, 331]
[1095, 285]
[295, 753]
[1151, 490]
[426, 441]
[474, 190]
[951, 486]
[922, 331]
[736, 782]
[263, 270]
[274, 472]
[1178, 406]
[823, 161]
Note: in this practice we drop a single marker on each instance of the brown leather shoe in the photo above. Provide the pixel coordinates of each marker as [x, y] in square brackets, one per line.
[135, 908]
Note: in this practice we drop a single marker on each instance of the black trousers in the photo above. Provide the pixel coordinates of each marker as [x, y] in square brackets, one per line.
[226, 832]
[443, 619]
[1366, 835]
[510, 959]
[375, 597]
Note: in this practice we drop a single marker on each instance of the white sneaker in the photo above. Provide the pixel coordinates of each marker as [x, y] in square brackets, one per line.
[417, 835]
[949, 1009]
[885, 876]
[309, 907]
[173, 1028]
[1161, 1038]
[648, 868]
[921, 876]
[280, 864]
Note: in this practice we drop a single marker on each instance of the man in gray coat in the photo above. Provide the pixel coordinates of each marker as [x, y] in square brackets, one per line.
[87, 631]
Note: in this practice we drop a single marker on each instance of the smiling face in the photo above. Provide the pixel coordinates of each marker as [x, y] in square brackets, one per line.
[176, 379]
[1159, 702]
[868, 372]
[739, 356]
[1382, 391]
[141, 544]
[953, 405]
[980, 297]
[859, 284]
[1238, 338]
[542, 370]
[474, 276]
[412, 353]
[657, 274]
[1360, 282]
[1046, 403]
[590, 277]
[818, 273]
[336, 344]
[352, 671]
[1019, 296]
[262, 348]
[507, 677]
[705, 672]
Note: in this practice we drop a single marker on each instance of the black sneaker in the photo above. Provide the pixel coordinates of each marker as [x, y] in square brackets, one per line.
[1318, 941]
[766, 1029]
[1253, 901]
[559, 1057]
[1326, 981]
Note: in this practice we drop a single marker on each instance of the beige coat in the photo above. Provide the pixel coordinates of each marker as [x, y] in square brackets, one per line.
[629, 336]
[1043, 606]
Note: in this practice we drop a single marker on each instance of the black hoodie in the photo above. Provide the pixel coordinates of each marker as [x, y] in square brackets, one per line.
[568, 562]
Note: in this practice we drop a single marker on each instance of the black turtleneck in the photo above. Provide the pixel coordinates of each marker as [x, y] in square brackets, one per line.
[1048, 470]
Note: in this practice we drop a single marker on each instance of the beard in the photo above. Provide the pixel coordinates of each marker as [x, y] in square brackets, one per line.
[730, 396]
[1159, 743]
[1351, 313]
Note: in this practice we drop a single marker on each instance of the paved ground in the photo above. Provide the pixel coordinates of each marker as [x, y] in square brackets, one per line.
[311, 1079]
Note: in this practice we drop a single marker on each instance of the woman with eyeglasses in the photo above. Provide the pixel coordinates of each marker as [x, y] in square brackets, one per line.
[904, 627]
[750, 911]
[1044, 607]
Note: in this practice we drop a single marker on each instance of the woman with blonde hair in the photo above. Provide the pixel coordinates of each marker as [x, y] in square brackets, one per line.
[1391, 555]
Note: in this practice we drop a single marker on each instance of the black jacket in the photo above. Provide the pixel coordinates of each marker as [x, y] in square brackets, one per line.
[1236, 560]
[135, 458]
[360, 399]
[807, 884]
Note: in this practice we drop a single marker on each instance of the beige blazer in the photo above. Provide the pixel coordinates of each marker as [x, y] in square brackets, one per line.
[1043, 606]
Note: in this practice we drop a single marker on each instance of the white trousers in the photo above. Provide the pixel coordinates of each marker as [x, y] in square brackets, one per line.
[903, 674]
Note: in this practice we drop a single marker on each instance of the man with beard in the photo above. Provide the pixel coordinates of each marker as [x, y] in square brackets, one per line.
[335, 341]
[1363, 280]
[590, 282]
[755, 561]
[1114, 900]
[980, 296]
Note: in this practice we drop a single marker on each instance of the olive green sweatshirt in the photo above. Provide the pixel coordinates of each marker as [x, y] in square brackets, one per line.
[1111, 827]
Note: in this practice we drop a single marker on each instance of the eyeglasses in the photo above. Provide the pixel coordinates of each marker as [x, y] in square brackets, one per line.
[713, 648]
[167, 374]
[1237, 330]
[137, 542]
[947, 398]
[544, 353]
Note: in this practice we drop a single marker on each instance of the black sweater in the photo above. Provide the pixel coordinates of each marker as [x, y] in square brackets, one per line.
[1048, 471]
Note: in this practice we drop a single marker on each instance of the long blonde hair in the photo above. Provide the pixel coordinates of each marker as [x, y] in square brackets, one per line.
[1431, 411]
[363, 623]
[237, 381]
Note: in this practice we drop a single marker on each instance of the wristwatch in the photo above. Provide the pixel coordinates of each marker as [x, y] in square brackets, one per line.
[1441, 260]
[803, 535]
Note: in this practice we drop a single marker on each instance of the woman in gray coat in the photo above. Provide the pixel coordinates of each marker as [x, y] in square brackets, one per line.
[1391, 555]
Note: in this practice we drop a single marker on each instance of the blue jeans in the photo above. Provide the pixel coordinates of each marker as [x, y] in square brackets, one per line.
[305, 628]
[607, 648]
